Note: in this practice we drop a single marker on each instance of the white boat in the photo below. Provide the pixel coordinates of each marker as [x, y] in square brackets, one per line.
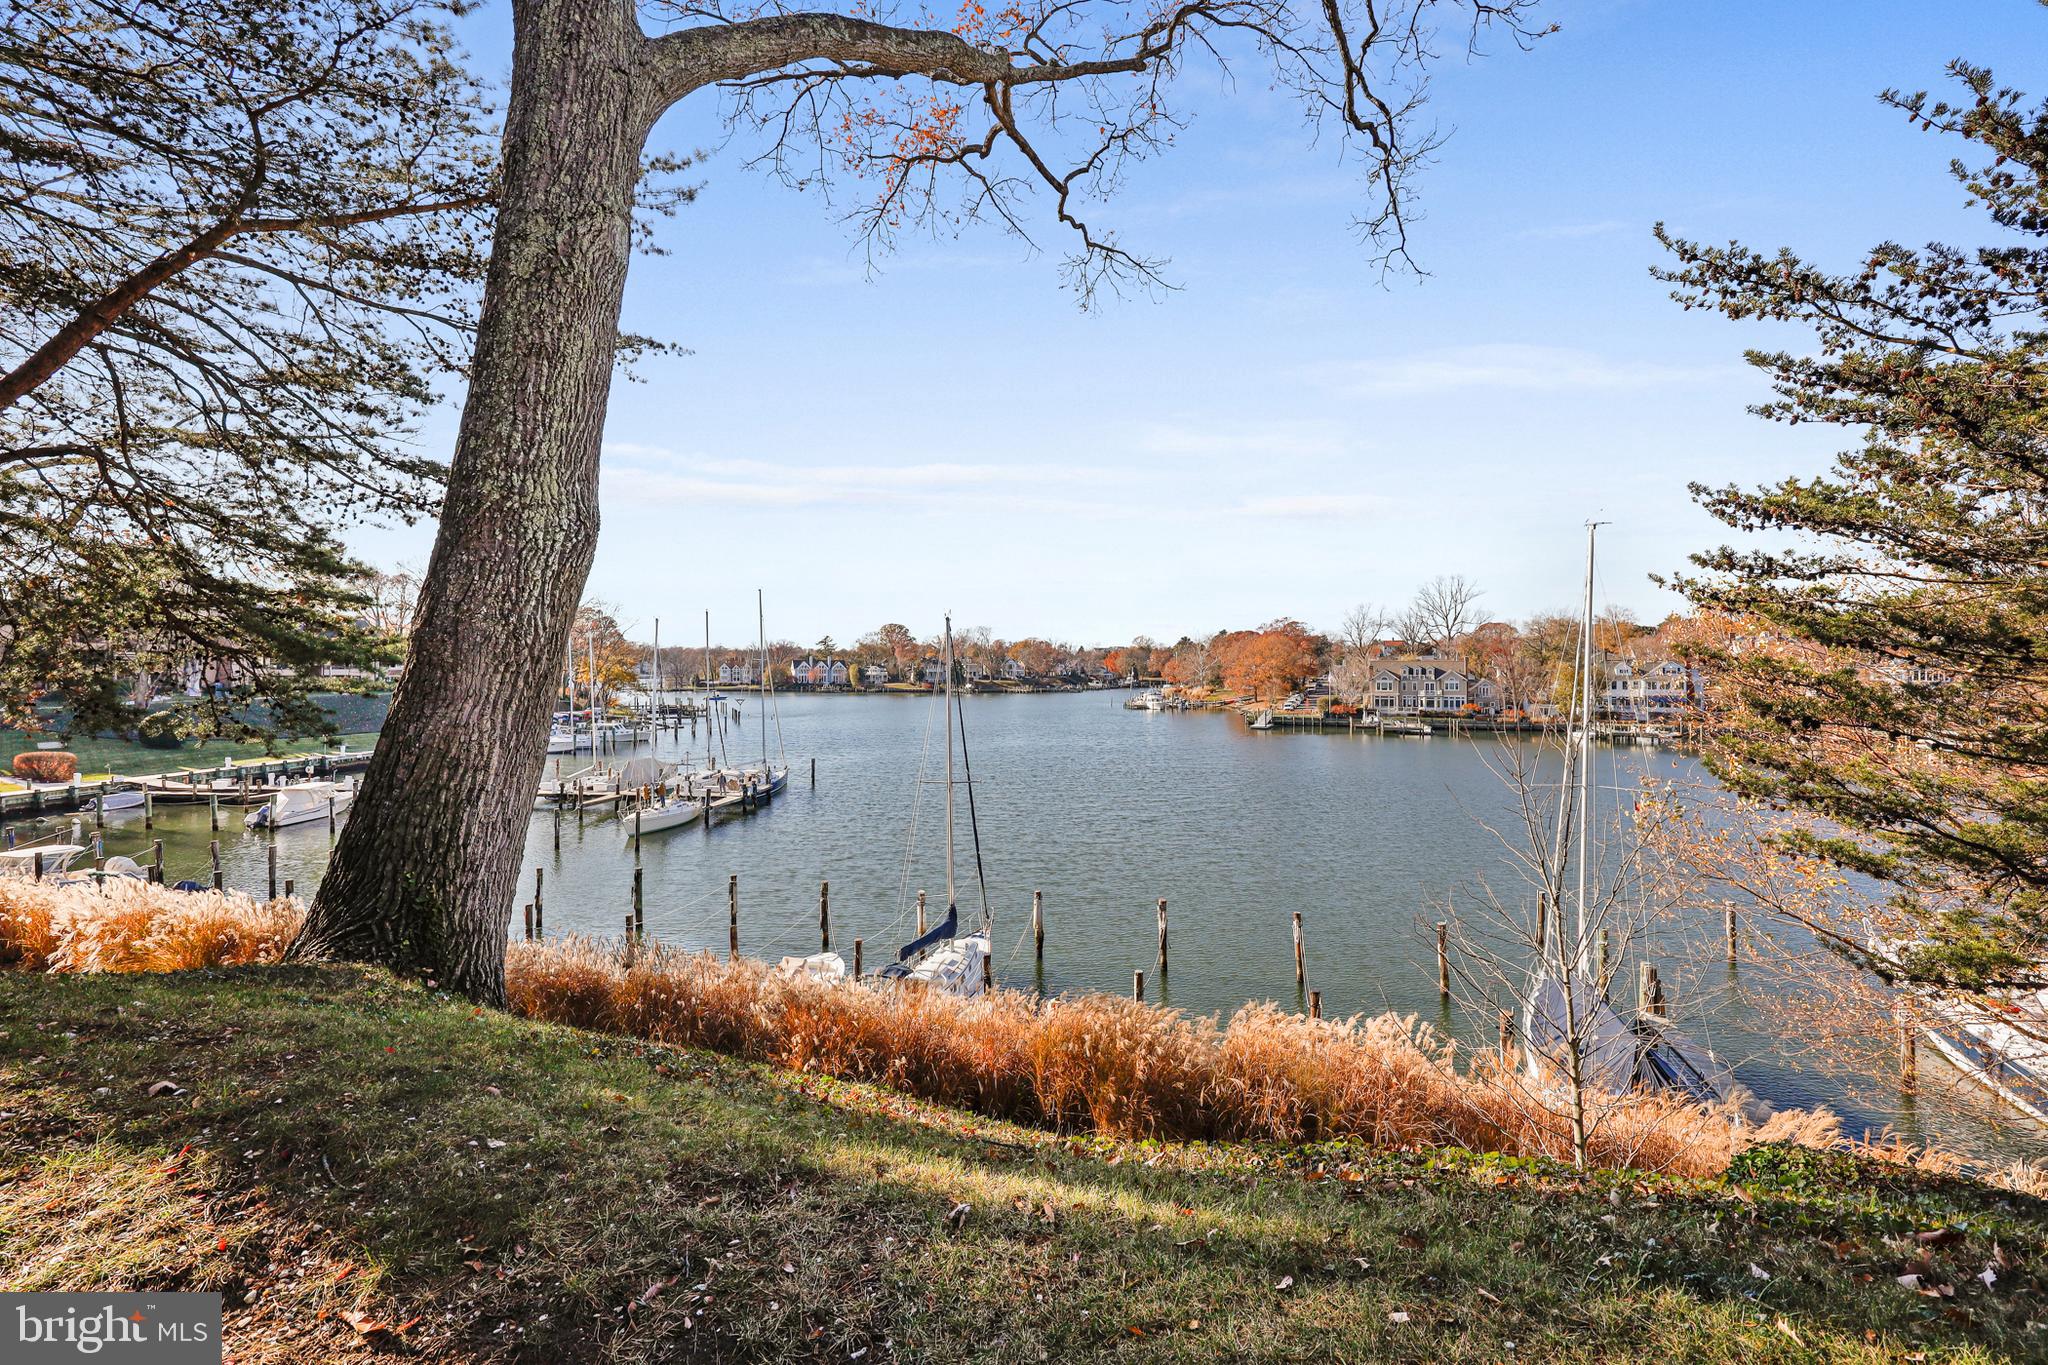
[2000, 1043]
[301, 803]
[943, 958]
[561, 740]
[672, 812]
[51, 858]
[108, 802]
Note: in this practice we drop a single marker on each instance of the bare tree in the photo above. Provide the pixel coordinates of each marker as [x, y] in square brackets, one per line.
[1441, 611]
[951, 124]
[1364, 626]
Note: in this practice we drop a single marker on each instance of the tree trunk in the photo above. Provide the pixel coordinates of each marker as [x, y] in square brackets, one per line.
[423, 878]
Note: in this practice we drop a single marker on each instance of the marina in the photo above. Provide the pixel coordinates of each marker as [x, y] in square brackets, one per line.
[1089, 816]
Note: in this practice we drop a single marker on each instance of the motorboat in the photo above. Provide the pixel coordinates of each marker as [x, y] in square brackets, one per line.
[301, 803]
[1998, 1042]
[47, 860]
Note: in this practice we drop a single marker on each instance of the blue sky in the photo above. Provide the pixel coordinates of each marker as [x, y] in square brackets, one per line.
[1285, 433]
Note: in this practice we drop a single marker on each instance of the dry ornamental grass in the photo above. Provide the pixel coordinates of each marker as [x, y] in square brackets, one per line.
[1090, 1063]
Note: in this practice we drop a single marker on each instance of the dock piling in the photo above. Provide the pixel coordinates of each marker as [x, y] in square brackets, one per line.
[148, 809]
[639, 915]
[1507, 1037]
[1729, 918]
[732, 901]
[1138, 986]
[330, 815]
[1909, 1049]
[213, 811]
[1038, 927]
[1162, 938]
[529, 921]
[271, 851]
[856, 959]
[1315, 1004]
[1443, 960]
[1650, 991]
[825, 917]
[920, 914]
[213, 851]
[1300, 963]
[287, 887]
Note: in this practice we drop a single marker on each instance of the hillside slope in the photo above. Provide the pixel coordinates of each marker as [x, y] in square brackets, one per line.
[372, 1170]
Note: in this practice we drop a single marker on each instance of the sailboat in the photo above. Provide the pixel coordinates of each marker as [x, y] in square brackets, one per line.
[942, 958]
[769, 779]
[1567, 1004]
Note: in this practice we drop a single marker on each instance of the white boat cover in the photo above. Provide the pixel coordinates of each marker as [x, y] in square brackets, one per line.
[818, 967]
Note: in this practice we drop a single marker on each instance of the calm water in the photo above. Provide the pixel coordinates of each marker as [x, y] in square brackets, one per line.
[1103, 810]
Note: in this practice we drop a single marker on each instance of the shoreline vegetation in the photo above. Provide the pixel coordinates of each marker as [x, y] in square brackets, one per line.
[553, 1188]
[1089, 1063]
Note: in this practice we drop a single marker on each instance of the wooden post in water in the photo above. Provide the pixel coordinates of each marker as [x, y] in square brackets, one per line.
[1649, 991]
[988, 969]
[558, 818]
[1162, 938]
[814, 770]
[1507, 1037]
[1600, 949]
[732, 903]
[287, 887]
[920, 914]
[1443, 960]
[825, 917]
[529, 921]
[156, 861]
[213, 849]
[213, 811]
[636, 835]
[639, 916]
[1137, 986]
[36, 858]
[1315, 1004]
[331, 826]
[1300, 964]
[148, 809]
[1038, 926]
[271, 852]
[1729, 916]
[536, 900]
[1909, 1049]
[856, 950]
[628, 939]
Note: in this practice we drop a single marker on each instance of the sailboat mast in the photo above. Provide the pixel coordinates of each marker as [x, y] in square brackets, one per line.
[655, 709]
[1586, 739]
[761, 622]
[952, 900]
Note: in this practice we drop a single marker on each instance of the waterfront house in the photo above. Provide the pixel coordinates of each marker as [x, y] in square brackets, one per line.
[1422, 687]
[1648, 691]
[736, 675]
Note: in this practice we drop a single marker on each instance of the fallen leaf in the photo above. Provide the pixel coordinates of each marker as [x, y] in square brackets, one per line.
[1757, 1272]
[1397, 1317]
[1286, 1283]
[165, 1088]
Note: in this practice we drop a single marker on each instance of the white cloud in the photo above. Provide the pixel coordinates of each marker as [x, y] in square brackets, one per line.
[1312, 506]
[1508, 366]
[652, 474]
[1564, 232]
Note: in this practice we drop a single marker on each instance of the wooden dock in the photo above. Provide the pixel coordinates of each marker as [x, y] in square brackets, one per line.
[183, 784]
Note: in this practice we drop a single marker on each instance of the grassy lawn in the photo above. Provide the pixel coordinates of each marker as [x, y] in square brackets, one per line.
[370, 1169]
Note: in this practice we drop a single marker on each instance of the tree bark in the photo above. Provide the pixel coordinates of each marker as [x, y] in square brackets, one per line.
[423, 877]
